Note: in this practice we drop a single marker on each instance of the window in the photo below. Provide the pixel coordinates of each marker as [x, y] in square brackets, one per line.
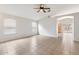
[34, 27]
[9, 26]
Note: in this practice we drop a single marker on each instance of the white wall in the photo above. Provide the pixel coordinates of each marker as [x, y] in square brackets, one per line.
[23, 28]
[47, 27]
[76, 26]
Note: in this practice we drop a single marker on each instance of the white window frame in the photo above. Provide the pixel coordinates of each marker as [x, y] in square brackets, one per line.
[9, 26]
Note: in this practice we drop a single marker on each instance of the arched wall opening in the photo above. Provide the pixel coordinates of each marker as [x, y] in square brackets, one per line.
[65, 26]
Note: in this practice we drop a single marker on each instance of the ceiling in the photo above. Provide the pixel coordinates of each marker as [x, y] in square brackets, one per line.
[27, 11]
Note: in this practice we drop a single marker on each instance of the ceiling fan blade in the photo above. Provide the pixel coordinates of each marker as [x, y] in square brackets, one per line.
[36, 8]
[49, 10]
[39, 10]
[46, 8]
[44, 11]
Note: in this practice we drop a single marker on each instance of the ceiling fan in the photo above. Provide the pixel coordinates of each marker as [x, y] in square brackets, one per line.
[43, 8]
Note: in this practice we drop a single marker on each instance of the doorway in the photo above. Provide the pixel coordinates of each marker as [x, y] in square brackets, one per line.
[65, 27]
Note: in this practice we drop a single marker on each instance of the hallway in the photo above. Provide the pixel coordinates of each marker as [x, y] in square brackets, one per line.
[40, 45]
